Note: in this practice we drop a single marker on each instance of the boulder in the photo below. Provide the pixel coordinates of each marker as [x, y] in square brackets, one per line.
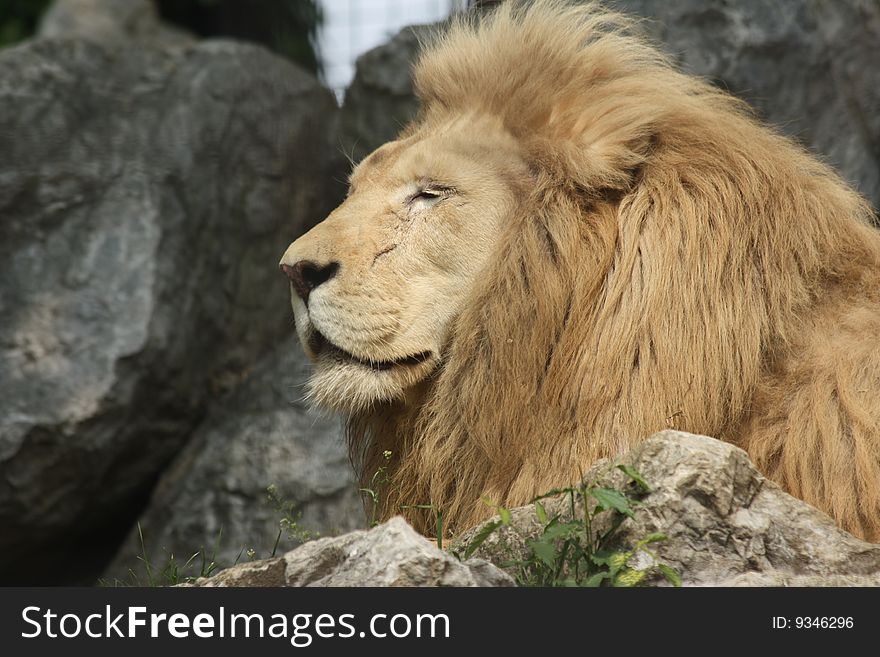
[391, 554]
[381, 99]
[726, 525]
[109, 22]
[146, 195]
[213, 497]
[808, 68]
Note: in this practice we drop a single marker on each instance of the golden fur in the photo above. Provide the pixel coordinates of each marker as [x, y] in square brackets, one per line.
[673, 263]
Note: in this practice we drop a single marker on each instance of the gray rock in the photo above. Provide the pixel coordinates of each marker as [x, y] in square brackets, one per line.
[391, 554]
[381, 100]
[262, 434]
[808, 67]
[260, 573]
[109, 22]
[146, 194]
[778, 579]
[726, 524]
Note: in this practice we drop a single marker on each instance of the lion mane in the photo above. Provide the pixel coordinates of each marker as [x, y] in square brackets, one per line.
[677, 264]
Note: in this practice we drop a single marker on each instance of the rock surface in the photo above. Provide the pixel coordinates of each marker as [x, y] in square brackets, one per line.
[809, 68]
[726, 524]
[381, 99]
[262, 434]
[146, 195]
[117, 22]
[391, 554]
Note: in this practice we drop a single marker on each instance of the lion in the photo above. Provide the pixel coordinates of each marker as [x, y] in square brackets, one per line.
[573, 246]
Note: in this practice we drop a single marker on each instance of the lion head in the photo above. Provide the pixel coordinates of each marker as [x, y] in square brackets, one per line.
[574, 245]
[377, 286]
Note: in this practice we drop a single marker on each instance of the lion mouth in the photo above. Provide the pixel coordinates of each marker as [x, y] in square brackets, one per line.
[321, 345]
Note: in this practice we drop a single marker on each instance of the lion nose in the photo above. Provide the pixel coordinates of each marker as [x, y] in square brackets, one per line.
[307, 275]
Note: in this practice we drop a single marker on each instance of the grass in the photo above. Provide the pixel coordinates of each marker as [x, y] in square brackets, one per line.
[172, 571]
[573, 549]
[289, 523]
[577, 548]
[576, 545]
[373, 492]
[204, 562]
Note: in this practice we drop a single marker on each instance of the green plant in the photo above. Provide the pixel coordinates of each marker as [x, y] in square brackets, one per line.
[201, 563]
[438, 520]
[575, 549]
[378, 482]
[289, 523]
[172, 571]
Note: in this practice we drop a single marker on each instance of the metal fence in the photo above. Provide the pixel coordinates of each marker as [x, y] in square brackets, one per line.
[351, 27]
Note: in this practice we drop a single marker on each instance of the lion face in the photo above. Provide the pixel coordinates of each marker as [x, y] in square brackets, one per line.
[376, 286]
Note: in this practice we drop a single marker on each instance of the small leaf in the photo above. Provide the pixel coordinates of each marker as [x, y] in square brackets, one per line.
[652, 538]
[556, 530]
[480, 537]
[629, 577]
[618, 560]
[601, 558]
[636, 476]
[546, 552]
[596, 580]
[614, 560]
[670, 574]
[505, 515]
[553, 492]
[608, 498]
[541, 512]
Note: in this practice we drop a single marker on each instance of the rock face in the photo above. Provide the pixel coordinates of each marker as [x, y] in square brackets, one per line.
[726, 524]
[262, 434]
[146, 195]
[109, 21]
[808, 67]
[381, 99]
[392, 554]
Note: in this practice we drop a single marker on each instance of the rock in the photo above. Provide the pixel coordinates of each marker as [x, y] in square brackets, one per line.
[260, 435]
[391, 554]
[778, 579]
[809, 68]
[109, 22]
[381, 100]
[726, 524]
[146, 195]
[261, 573]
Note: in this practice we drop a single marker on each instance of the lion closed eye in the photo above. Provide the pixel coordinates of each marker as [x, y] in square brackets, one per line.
[576, 245]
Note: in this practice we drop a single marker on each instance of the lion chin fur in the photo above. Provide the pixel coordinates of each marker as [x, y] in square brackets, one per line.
[677, 264]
